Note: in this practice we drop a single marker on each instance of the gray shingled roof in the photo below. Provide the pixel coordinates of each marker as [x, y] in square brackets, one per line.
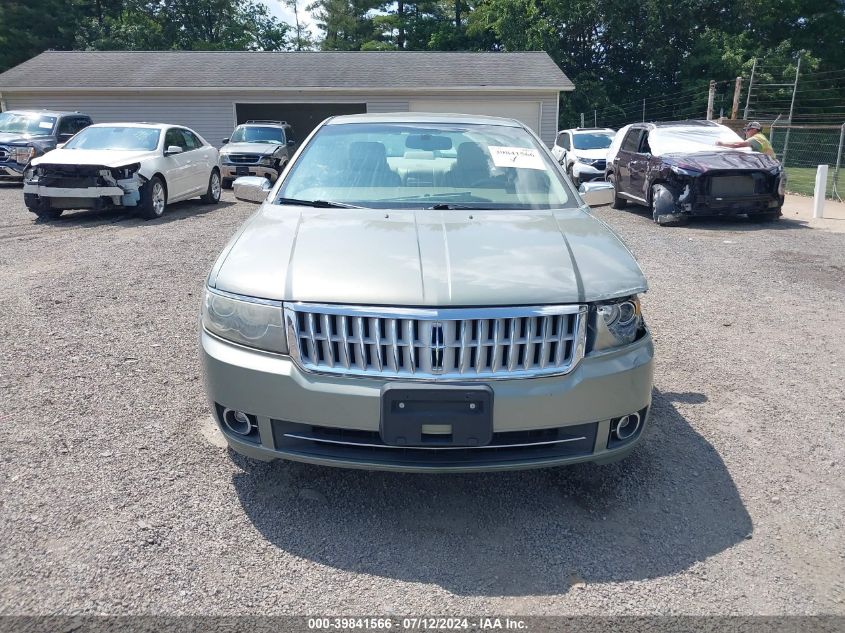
[391, 70]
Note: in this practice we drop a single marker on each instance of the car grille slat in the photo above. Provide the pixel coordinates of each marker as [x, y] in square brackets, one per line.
[466, 343]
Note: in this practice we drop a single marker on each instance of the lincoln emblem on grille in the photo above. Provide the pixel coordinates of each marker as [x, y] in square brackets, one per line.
[437, 347]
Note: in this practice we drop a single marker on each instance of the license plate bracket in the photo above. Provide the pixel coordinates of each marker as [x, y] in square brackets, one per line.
[242, 171]
[436, 415]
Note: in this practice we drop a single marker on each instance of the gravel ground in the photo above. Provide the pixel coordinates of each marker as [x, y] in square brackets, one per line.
[117, 497]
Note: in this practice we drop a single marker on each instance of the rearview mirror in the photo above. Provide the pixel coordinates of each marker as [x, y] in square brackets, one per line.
[251, 188]
[428, 142]
[596, 194]
[172, 149]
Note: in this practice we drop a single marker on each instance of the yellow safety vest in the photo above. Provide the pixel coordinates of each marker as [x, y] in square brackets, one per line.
[765, 146]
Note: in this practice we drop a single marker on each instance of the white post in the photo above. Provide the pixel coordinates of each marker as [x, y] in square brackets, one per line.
[821, 187]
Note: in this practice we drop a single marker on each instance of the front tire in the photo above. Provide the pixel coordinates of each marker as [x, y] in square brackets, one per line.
[771, 216]
[226, 183]
[618, 203]
[663, 208]
[212, 194]
[41, 207]
[575, 181]
[153, 199]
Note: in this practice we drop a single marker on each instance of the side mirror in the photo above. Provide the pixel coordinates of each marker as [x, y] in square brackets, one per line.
[596, 194]
[251, 188]
[172, 149]
[291, 142]
[225, 140]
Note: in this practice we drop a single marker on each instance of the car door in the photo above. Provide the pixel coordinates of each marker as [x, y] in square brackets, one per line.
[621, 163]
[561, 146]
[177, 167]
[199, 165]
[638, 166]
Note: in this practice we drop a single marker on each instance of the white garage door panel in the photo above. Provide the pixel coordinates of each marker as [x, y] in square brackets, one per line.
[526, 111]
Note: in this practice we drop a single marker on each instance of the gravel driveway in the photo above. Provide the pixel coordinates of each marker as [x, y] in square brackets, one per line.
[116, 495]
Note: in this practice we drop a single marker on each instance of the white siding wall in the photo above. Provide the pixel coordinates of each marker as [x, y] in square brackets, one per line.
[212, 115]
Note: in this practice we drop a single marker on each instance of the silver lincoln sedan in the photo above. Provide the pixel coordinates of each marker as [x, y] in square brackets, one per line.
[426, 292]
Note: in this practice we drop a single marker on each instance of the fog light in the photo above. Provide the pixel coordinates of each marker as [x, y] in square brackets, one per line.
[625, 429]
[238, 422]
[627, 426]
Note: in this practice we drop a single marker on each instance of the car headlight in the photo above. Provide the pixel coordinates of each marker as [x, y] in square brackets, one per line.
[614, 324]
[684, 172]
[585, 161]
[252, 322]
[22, 155]
[266, 160]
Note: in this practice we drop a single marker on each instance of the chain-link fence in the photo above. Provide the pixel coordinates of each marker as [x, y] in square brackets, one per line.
[802, 148]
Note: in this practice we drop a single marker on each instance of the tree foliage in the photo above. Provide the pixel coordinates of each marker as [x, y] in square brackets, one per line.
[616, 51]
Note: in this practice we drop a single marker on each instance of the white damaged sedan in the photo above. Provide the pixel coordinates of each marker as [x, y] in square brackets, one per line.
[137, 165]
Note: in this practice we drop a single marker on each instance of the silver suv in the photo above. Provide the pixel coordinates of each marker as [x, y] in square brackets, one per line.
[256, 148]
[426, 292]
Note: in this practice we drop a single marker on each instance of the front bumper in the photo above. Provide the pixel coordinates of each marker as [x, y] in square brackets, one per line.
[231, 172]
[334, 420]
[11, 171]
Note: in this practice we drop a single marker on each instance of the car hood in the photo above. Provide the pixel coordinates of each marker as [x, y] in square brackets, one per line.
[250, 148]
[591, 153]
[106, 158]
[14, 137]
[426, 258]
[706, 161]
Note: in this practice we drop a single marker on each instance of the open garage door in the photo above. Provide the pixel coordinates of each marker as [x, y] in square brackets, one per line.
[526, 111]
[303, 117]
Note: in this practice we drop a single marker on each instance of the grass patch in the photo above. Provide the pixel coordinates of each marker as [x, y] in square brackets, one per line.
[803, 180]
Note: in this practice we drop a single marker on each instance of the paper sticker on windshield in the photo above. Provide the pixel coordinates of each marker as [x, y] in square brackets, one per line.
[46, 125]
[520, 157]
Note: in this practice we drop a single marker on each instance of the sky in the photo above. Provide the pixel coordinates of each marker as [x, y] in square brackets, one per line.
[286, 15]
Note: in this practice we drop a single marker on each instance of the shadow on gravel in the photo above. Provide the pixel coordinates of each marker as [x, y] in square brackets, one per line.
[670, 504]
[717, 223]
[91, 219]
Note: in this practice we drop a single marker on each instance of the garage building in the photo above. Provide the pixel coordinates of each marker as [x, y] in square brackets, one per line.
[213, 91]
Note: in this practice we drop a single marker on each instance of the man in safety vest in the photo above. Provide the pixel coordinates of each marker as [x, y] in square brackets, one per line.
[754, 138]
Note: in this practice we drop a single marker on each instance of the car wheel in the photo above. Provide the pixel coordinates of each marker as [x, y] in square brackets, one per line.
[153, 199]
[226, 183]
[663, 207]
[618, 203]
[40, 207]
[575, 181]
[212, 194]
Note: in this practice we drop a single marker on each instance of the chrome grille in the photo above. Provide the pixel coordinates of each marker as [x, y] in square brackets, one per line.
[244, 159]
[432, 343]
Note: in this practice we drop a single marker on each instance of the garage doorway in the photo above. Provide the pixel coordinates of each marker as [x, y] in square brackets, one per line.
[526, 111]
[303, 117]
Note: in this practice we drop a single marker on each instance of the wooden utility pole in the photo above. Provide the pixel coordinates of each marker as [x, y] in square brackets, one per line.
[711, 95]
[737, 92]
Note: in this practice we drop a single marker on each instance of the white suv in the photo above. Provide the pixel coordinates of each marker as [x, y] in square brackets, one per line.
[583, 152]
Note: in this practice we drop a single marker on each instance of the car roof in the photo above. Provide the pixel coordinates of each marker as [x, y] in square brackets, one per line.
[144, 124]
[48, 112]
[265, 123]
[423, 117]
[583, 130]
[686, 123]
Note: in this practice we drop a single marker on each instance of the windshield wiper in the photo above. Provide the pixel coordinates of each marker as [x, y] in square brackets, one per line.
[320, 204]
[445, 206]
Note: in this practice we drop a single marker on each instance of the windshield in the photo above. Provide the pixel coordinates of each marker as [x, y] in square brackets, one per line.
[593, 140]
[115, 138]
[251, 134]
[27, 123]
[395, 165]
[691, 139]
